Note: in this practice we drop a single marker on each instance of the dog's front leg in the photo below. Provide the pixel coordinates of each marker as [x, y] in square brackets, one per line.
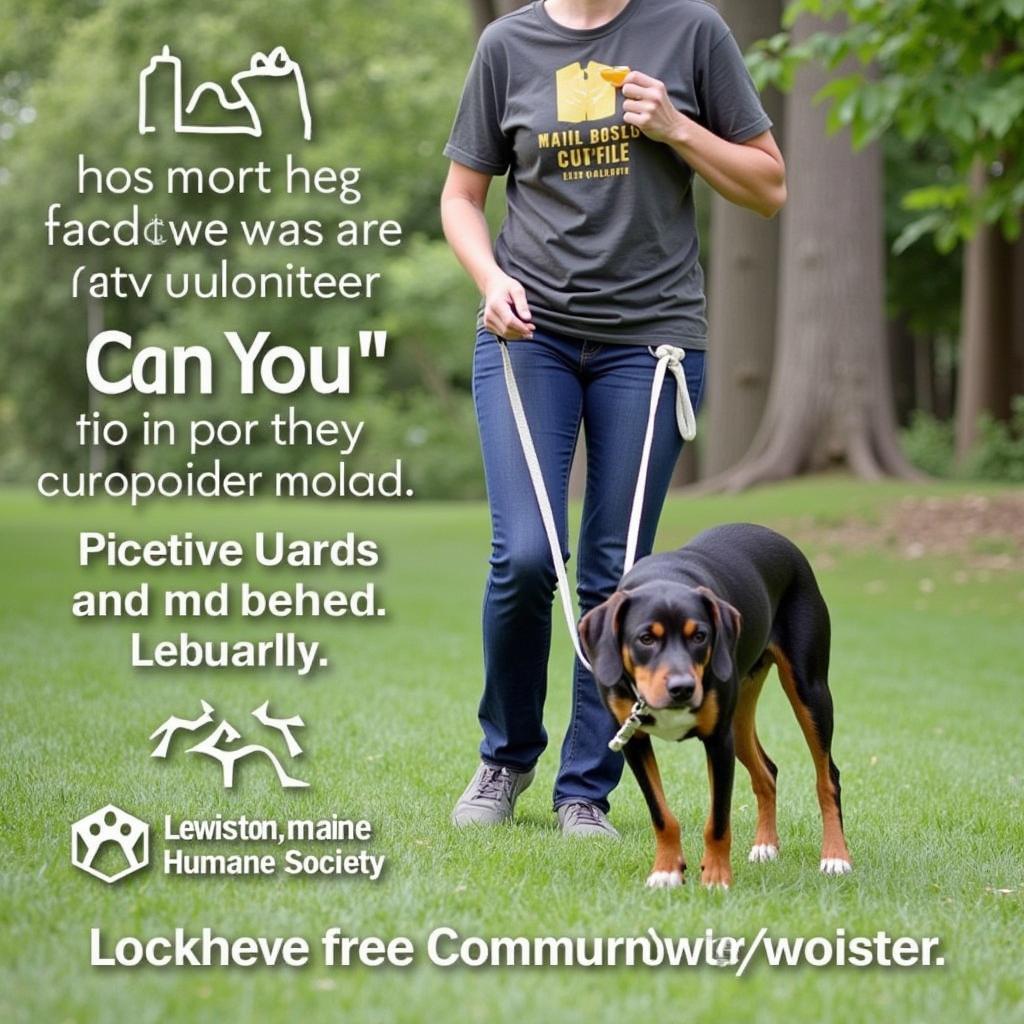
[715, 869]
[669, 863]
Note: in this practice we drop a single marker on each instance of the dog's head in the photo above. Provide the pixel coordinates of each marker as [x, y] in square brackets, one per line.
[663, 636]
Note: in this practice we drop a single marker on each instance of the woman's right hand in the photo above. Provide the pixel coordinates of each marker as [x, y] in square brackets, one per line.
[506, 313]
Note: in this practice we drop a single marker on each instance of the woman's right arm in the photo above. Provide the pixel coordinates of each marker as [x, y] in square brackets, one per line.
[506, 313]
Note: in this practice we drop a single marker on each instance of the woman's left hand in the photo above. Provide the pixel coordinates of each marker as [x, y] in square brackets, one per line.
[647, 105]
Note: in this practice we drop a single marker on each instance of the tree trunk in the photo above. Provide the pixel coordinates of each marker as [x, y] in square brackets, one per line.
[742, 286]
[986, 345]
[901, 362]
[830, 400]
[1017, 293]
[924, 374]
[945, 393]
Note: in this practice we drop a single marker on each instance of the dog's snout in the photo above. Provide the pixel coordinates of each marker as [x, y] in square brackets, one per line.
[681, 687]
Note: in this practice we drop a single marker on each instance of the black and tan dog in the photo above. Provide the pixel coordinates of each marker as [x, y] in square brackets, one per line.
[693, 633]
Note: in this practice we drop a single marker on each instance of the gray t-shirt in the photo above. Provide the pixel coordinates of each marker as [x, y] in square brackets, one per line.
[600, 228]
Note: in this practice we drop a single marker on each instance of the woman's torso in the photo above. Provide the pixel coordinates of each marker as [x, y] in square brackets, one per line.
[601, 228]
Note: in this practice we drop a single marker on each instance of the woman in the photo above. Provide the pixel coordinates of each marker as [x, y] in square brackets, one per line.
[596, 261]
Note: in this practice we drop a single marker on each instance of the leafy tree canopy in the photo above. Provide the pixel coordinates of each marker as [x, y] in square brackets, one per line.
[946, 70]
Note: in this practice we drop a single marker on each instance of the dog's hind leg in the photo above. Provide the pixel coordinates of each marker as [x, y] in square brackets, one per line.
[669, 863]
[760, 766]
[801, 654]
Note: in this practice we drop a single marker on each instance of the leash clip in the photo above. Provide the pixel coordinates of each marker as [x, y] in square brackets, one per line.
[629, 726]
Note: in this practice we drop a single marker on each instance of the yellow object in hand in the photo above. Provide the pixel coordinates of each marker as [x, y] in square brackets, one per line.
[616, 75]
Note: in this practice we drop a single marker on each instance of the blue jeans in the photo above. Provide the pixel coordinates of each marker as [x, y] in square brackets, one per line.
[564, 382]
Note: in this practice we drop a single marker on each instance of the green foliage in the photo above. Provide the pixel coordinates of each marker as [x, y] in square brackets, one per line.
[998, 454]
[952, 70]
[928, 443]
[378, 103]
[923, 285]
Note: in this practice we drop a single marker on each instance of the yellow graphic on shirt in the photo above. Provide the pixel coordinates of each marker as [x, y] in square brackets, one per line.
[583, 95]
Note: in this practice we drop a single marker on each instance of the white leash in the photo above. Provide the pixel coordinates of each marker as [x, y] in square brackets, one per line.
[669, 359]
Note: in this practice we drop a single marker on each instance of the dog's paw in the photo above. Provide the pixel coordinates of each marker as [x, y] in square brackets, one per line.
[716, 875]
[664, 879]
[835, 866]
[762, 852]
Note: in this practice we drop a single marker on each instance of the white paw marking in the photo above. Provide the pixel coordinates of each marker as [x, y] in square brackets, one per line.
[762, 852]
[712, 886]
[664, 879]
[835, 866]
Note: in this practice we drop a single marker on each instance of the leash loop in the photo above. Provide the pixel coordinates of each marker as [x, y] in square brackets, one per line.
[685, 418]
[669, 360]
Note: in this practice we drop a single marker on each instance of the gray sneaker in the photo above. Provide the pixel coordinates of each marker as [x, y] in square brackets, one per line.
[490, 798]
[585, 820]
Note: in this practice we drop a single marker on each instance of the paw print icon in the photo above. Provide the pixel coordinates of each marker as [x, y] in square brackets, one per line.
[110, 843]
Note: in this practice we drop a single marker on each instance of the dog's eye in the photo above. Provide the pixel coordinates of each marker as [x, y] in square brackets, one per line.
[700, 636]
[647, 639]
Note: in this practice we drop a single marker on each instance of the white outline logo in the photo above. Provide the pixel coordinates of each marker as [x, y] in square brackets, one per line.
[110, 825]
[276, 64]
[226, 733]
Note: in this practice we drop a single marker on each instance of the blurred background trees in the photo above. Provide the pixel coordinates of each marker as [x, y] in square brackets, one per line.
[880, 317]
[942, 85]
[830, 398]
[744, 256]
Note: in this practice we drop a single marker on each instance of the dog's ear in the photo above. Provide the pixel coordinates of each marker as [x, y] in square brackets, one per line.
[599, 634]
[727, 621]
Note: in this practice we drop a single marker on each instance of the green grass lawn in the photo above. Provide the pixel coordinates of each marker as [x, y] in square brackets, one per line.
[929, 712]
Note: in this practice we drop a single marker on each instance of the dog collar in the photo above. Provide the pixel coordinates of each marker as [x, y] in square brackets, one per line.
[629, 726]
